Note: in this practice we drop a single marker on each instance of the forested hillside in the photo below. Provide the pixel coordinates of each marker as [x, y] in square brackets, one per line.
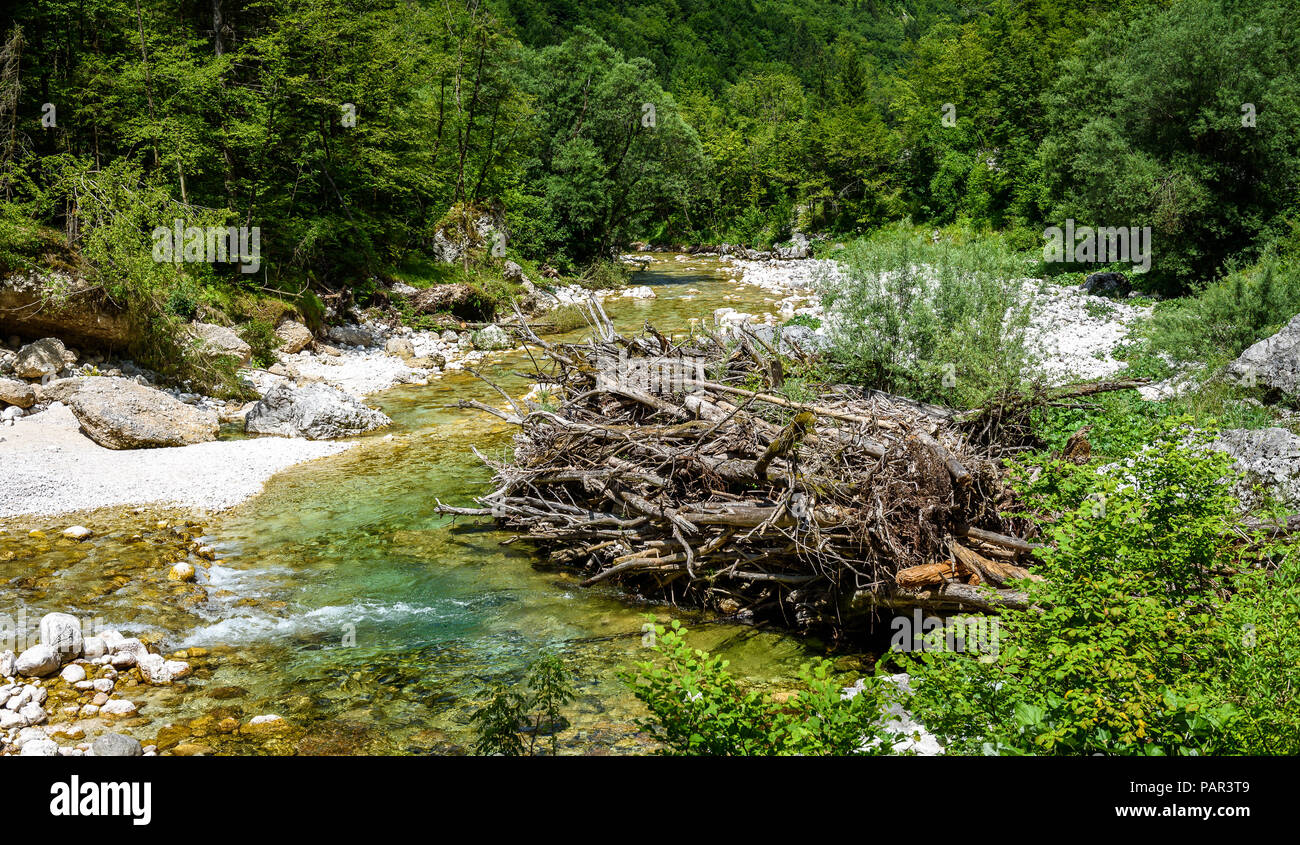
[353, 132]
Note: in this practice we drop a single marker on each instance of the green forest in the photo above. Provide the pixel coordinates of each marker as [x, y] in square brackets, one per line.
[350, 132]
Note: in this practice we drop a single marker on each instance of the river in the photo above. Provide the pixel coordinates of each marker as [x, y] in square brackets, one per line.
[342, 602]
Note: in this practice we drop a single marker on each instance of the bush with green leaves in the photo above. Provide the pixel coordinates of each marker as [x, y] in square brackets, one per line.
[516, 717]
[936, 319]
[1132, 645]
[697, 708]
[1220, 319]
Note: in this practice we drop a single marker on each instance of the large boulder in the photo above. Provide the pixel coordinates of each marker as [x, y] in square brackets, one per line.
[459, 299]
[218, 341]
[60, 390]
[352, 335]
[315, 411]
[14, 392]
[1269, 458]
[42, 358]
[81, 314]
[1113, 285]
[37, 662]
[513, 272]
[62, 633]
[294, 336]
[1273, 362]
[117, 413]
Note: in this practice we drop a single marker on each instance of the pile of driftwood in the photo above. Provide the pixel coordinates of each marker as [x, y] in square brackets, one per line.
[673, 468]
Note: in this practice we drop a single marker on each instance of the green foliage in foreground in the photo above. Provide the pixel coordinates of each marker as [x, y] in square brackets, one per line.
[936, 319]
[515, 717]
[698, 708]
[1143, 641]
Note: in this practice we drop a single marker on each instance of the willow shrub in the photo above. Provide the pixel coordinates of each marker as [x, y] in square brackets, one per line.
[1133, 646]
[939, 319]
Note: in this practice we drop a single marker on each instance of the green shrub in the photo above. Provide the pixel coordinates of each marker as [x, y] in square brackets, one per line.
[698, 708]
[937, 320]
[512, 721]
[1217, 322]
[261, 336]
[1124, 651]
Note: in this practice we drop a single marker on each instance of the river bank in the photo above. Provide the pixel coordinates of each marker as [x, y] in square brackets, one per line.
[339, 601]
[336, 597]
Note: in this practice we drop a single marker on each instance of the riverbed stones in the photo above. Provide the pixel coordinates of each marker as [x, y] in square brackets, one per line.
[294, 337]
[77, 532]
[157, 670]
[400, 347]
[266, 723]
[73, 673]
[41, 358]
[1273, 362]
[314, 411]
[7, 661]
[117, 413]
[37, 662]
[117, 707]
[182, 571]
[17, 393]
[40, 748]
[32, 713]
[116, 745]
[62, 633]
[93, 648]
[218, 341]
[127, 653]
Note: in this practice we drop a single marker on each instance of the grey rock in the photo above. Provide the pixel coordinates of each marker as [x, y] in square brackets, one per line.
[1270, 461]
[798, 247]
[399, 347]
[314, 411]
[294, 336]
[62, 633]
[218, 341]
[41, 358]
[120, 414]
[116, 745]
[352, 335]
[1274, 362]
[40, 748]
[492, 337]
[37, 662]
[513, 272]
[18, 393]
[1114, 285]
